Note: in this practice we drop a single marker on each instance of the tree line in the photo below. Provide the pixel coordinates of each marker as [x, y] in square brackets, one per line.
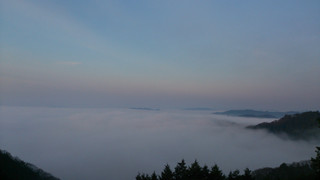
[195, 172]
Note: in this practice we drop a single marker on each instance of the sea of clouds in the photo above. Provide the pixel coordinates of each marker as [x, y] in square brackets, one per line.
[116, 144]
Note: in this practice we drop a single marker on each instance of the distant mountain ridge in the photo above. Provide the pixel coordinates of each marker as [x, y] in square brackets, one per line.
[297, 126]
[255, 113]
[12, 168]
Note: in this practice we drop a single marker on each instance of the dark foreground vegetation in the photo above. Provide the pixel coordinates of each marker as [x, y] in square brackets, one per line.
[295, 171]
[297, 126]
[194, 172]
[12, 168]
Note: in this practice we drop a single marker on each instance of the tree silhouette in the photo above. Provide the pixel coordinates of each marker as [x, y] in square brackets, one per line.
[143, 177]
[205, 172]
[166, 174]
[180, 171]
[138, 177]
[154, 176]
[247, 175]
[315, 162]
[195, 171]
[235, 175]
[216, 173]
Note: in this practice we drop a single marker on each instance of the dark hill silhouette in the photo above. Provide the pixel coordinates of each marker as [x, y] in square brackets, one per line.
[256, 114]
[297, 126]
[12, 168]
[294, 171]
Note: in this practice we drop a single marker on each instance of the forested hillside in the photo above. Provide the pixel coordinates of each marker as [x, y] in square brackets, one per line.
[294, 171]
[12, 168]
[297, 126]
[256, 114]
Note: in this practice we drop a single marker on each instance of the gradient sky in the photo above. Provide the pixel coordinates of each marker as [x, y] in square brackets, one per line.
[220, 54]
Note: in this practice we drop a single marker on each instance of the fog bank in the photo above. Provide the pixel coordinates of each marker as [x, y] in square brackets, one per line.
[118, 143]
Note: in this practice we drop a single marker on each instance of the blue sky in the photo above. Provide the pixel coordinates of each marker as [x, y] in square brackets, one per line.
[220, 54]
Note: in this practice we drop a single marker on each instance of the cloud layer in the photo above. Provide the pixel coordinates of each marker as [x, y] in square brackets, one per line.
[118, 143]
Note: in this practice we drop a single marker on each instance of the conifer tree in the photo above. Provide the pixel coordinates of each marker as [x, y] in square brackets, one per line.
[234, 175]
[216, 173]
[145, 177]
[315, 162]
[138, 177]
[247, 174]
[180, 171]
[166, 174]
[154, 176]
[195, 171]
[205, 172]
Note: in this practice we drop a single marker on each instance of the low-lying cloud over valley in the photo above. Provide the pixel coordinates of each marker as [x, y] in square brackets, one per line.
[118, 143]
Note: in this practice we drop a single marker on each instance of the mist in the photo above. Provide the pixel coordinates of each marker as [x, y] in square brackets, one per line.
[106, 143]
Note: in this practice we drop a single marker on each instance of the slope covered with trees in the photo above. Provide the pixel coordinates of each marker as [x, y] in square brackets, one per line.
[256, 114]
[297, 126]
[294, 171]
[12, 168]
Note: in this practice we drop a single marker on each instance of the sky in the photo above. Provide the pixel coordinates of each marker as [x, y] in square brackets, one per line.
[220, 54]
